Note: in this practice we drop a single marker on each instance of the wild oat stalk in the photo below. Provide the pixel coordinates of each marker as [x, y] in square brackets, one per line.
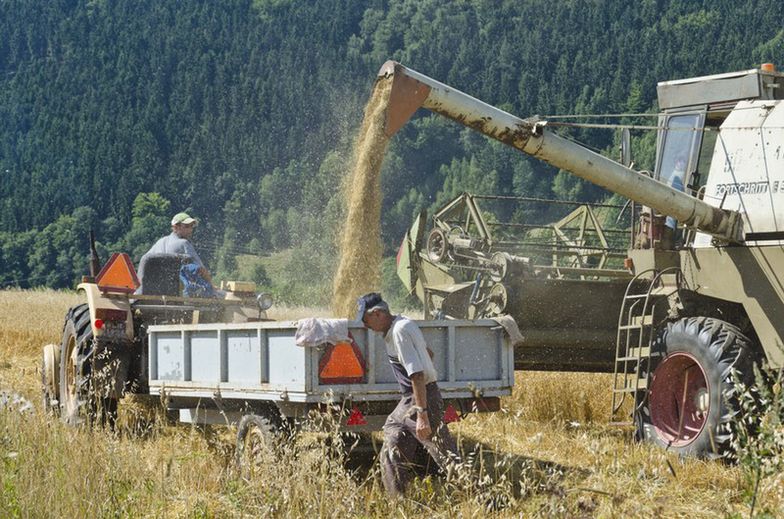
[758, 440]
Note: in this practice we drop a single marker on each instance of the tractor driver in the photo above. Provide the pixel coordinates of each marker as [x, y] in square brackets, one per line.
[419, 416]
[195, 277]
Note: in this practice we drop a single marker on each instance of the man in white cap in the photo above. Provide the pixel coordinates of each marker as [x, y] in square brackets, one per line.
[177, 243]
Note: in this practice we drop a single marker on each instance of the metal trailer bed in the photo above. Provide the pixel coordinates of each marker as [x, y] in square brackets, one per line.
[215, 373]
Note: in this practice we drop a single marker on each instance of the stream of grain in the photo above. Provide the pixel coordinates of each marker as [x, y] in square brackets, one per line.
[359, 269]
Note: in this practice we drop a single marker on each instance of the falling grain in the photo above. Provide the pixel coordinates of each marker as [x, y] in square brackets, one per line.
[359, 269]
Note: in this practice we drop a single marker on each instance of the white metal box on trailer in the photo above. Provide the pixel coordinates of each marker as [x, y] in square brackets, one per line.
[261, 362]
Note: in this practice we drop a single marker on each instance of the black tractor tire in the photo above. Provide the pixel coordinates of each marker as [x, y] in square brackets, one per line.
[257, 444]
[81, 398]
[691, 406]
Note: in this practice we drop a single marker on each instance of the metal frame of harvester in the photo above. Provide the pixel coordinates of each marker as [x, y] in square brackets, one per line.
[689, 310]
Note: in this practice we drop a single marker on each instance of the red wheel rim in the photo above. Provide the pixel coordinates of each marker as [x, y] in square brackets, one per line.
[679, 399]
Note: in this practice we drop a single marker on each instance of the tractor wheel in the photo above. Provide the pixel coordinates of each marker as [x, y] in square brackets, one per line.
[256, 444]
[691, 404]
[81, 396]
[50, 374]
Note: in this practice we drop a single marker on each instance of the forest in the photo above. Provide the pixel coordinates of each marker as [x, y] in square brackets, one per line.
[118, 114]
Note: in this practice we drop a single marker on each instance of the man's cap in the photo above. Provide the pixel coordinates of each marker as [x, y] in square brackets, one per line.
[183, 218]
[370, 302]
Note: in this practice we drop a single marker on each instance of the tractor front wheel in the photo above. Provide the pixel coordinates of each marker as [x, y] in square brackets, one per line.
[50, 374]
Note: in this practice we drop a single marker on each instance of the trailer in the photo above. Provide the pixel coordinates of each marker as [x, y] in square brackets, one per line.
[218, 373]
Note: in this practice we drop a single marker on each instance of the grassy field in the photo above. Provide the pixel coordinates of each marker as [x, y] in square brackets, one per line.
[548, 453]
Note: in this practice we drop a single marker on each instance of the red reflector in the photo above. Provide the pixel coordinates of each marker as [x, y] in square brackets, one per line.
[356, 417]
[342, 364]
[450, 414]
[98, 324]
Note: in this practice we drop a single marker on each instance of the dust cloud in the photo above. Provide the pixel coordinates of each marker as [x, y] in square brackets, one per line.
[359, 268]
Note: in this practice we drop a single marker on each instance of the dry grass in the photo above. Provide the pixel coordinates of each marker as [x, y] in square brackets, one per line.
[549, 453]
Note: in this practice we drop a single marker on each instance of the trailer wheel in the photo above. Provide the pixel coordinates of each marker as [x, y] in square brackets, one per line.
[256, 444]
[691, 405]
[80, 395]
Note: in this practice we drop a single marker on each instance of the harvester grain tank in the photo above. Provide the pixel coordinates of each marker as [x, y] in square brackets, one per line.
[705, 294]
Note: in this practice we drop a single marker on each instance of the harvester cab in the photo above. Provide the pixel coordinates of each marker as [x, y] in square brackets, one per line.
[682, 311]
[712, 140]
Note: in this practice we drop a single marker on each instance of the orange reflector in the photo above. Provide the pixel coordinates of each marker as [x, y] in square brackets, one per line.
[356, 417]
[118, 275]
[342, 364]
[450, 414]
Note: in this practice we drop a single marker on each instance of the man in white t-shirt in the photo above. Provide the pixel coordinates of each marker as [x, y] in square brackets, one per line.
[419, 416]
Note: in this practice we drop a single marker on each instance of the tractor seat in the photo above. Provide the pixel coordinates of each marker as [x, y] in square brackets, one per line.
[159, 274]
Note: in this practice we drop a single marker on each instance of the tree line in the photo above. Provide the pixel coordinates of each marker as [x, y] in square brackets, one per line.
[116, 114]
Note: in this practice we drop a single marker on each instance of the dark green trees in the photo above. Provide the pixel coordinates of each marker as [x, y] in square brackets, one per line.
[244, 111]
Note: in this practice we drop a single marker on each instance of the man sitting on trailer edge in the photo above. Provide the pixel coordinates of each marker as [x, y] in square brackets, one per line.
[419, 416]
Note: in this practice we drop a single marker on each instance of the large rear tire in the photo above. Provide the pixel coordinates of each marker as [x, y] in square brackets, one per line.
[691, 406]
[82, 397]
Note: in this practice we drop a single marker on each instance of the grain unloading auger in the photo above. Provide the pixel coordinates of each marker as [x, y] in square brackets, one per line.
[412, 90]
[703, 293]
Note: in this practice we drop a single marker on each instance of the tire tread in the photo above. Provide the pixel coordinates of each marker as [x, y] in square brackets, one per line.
[728, 349]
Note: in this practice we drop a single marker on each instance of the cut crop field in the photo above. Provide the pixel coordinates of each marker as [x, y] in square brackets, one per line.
[549, 452]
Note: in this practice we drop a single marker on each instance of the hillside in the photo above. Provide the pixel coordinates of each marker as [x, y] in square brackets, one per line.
[117, 114]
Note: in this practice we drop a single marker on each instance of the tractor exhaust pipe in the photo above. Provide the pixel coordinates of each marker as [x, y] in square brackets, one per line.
[95, 263]
[412, 90]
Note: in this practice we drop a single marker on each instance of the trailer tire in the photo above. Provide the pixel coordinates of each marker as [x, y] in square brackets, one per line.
[81, 397]
[691, 405]
[256, 444]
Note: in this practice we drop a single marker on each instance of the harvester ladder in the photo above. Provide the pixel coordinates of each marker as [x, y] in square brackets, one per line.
[636, 326]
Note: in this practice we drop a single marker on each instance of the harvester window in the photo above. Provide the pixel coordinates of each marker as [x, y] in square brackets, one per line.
[682, 137]
[704, 162]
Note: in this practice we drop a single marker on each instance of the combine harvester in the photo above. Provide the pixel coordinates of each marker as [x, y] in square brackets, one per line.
[683, 306]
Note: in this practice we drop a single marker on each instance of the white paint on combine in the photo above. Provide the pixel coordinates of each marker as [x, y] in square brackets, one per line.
[747, 171]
